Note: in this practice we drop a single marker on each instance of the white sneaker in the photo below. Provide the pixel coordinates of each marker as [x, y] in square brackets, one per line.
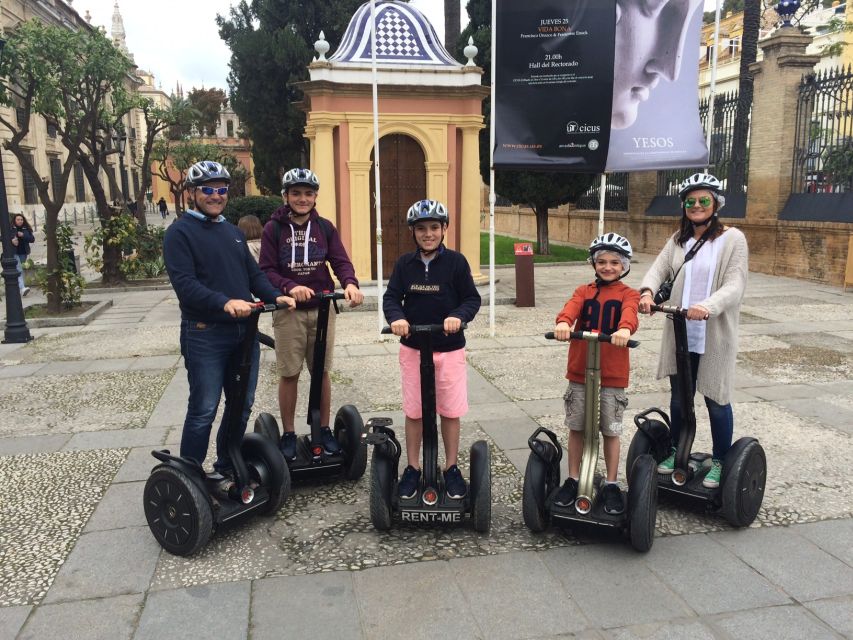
[25, 291]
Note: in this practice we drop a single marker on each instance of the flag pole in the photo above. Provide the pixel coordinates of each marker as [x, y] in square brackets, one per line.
[378, 195]
[713, 87]
[492, 177]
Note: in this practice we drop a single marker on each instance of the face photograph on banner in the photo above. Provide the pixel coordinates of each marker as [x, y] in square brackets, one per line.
[655, 114]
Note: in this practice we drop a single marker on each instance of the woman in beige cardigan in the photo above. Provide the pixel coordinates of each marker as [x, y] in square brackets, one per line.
[710, 286]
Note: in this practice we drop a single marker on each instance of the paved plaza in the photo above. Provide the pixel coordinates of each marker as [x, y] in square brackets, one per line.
[84, 406]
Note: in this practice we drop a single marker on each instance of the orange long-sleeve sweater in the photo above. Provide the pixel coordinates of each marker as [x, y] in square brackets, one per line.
[603, 309]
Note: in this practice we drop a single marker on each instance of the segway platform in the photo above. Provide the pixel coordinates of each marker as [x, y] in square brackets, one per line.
[542, 474]
[741, 491]
[312, 461]
[431, 504]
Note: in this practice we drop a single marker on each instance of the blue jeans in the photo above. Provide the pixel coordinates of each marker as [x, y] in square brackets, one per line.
[722, 420]
[21, 259]
[211, 353]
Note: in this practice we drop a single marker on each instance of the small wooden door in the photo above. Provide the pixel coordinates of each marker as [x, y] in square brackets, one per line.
[403, 181]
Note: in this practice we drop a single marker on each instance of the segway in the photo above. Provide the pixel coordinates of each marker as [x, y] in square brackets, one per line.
[430, 504]
[311, 460]
[183, 505]
[741, 490]
[542, 475]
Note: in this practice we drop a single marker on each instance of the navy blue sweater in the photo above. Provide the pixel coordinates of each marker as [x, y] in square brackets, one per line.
[428, 295]
[209, 264]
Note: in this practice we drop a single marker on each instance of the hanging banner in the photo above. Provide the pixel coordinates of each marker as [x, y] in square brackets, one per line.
[554, 84]
[655, 118]
[592, 85]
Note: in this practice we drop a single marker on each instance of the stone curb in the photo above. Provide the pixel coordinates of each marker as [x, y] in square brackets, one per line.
[81, 320]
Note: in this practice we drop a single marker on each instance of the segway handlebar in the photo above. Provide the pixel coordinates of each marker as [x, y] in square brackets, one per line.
[665, 308]
[423, 328]
[329, 295]
[591, 336]
[264, 307]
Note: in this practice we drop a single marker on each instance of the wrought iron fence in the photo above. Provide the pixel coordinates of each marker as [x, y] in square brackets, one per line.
[721, 153]
[823, 146]
[615, 194]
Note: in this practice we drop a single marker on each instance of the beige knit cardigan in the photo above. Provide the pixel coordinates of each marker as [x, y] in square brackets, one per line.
[717, 365]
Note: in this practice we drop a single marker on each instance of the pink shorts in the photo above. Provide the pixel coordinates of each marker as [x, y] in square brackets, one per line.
[451, 382]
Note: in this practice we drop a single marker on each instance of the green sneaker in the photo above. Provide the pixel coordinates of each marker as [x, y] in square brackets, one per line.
[712, 478]
[667, 465]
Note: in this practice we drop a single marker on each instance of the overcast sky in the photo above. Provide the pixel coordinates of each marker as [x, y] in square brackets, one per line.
[182, 43]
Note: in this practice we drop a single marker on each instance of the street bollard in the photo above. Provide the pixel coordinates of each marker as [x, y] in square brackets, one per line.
[525, 294]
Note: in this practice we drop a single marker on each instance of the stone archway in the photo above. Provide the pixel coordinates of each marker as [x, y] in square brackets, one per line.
[403, 181]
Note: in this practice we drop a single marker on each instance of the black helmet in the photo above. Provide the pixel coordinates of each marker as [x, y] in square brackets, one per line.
[206, 171]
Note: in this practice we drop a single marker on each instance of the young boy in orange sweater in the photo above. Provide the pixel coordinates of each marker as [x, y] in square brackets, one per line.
[607, 306]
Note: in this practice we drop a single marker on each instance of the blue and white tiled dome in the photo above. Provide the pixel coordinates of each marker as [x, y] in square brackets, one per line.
[403, 36]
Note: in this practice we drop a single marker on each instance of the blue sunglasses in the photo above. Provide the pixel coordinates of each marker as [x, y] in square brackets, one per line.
[209, 191]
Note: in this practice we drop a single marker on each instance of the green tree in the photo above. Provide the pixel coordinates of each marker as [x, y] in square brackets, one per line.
[541, 192]
[272, 43]
[451, 24]
[157, 121]
[68, 78]
[207, 104]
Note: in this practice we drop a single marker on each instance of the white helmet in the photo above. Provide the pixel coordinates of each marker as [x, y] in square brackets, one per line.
[206, 171]
[427, 210]
[699, 181]
[610, 242]
[300, 176]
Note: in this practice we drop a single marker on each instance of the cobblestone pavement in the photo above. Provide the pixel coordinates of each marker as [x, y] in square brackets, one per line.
[86, 405]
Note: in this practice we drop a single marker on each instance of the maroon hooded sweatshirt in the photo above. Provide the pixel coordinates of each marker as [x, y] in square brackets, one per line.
[288, 261]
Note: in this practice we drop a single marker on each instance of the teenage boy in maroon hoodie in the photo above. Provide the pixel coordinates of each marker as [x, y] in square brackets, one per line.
[295, 247]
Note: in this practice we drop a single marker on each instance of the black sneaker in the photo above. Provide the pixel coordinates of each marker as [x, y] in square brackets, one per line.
[454, 483]
[612, 499]
[408, 486]
[329, 443]
[288, 445]
[222, 483]
[568, 492]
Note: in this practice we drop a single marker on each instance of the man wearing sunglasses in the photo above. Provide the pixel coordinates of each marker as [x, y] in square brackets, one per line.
[214, 277]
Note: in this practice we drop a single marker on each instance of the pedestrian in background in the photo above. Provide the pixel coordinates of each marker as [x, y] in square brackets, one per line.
[22, 236]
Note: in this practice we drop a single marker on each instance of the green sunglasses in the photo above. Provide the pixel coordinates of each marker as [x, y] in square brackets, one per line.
[704, 201]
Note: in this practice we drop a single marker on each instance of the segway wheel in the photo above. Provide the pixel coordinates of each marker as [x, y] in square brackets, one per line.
[381, 485]
[743, 485]
[643, 502]
[535, 492]
[268, 469]
[178, 513]
[641, 444]
[267, 426]
[481, 486]
[349, 428]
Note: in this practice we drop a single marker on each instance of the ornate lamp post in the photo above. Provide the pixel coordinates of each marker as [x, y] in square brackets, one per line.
[120, 142]
[16, 326]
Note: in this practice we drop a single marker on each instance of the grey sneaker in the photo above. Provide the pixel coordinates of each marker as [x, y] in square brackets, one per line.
[666, 466]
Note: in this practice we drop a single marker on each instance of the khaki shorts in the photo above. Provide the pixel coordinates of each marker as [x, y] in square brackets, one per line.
[613, 404]
[294, 333]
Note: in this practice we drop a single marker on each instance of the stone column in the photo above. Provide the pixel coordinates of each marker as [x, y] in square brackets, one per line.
[323, 152]
[774, 115]
[359, 180]
[469, 216]
[642, 187]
